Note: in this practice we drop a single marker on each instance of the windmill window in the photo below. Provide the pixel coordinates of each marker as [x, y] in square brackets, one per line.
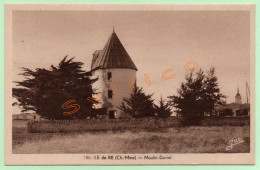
[110, 94]
[109, 75]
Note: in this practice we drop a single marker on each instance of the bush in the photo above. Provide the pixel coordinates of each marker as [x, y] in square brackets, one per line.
[226, 112]
[191, 121]
[138, 104]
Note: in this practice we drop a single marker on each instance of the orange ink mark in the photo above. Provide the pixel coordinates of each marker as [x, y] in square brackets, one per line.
[165, 72]
[98, 99]
[147, 79]
[96, 102]
[194, 67]
[131, 84]
[114, 88]
[67, 105]
[92, 100]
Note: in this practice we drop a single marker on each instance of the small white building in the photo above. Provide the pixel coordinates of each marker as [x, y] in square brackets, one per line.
[27, 116]
[116, 73]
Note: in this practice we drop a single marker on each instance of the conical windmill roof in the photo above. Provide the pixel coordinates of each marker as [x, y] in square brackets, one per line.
[113, 55]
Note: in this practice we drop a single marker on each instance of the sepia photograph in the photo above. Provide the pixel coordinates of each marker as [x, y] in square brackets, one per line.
[129, 84]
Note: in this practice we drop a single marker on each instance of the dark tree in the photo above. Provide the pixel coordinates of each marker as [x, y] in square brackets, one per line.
[163, 110]
[212, 95]
[138, 104]
[45, 91]
[197, 96]
[189, 100]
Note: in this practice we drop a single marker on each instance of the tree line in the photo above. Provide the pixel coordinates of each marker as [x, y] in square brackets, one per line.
[44, 91]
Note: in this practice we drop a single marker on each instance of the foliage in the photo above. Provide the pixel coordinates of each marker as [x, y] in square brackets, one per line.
[226, 112]
[138, 104]
[163, 110]
[197, 96]
[44, 91]
[212, 95]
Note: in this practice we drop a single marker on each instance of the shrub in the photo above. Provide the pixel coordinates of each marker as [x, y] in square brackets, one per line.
[163, 109]
[138, 104]
[191, 121]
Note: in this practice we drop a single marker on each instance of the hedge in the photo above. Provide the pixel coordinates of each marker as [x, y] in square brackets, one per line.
[65, 126]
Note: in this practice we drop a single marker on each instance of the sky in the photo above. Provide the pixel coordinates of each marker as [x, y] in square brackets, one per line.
[155, 41]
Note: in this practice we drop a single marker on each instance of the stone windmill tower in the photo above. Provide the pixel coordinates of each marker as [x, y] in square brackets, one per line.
[116, 74]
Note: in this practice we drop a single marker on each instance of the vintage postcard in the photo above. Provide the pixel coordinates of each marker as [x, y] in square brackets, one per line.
[132, 84]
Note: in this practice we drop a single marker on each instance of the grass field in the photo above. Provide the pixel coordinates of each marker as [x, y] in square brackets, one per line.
[168, 140]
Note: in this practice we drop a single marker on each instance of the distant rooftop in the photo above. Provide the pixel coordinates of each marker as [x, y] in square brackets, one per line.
[238, 94]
